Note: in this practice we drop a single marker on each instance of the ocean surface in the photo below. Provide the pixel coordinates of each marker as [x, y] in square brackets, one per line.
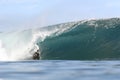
[60, 70]
[82, 50]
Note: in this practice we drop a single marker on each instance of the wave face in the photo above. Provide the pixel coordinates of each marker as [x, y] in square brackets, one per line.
[82, 40]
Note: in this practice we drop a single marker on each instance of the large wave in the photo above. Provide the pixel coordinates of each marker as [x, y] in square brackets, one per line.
[82, 40]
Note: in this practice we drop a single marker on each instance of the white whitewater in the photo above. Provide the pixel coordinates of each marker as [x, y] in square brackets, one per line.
[21, 45]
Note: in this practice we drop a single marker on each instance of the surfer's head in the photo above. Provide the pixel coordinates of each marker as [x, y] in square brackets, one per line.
[38, 50]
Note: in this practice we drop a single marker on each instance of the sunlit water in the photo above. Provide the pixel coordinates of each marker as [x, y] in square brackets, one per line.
[60, 70]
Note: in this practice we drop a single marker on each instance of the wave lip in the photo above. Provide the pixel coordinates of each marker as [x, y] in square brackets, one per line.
[82, 40]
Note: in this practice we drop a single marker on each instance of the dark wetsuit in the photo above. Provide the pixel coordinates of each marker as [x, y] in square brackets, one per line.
[36, 56]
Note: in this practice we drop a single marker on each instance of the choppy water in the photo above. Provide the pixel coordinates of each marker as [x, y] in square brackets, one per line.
[60, 70]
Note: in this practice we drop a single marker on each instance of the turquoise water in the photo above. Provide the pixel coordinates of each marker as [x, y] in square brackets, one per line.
[85, 40]
[60, 70]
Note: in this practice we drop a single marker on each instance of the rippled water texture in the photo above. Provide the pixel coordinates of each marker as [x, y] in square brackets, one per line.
[60, 70]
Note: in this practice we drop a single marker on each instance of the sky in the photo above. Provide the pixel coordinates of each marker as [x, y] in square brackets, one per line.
[25, 14]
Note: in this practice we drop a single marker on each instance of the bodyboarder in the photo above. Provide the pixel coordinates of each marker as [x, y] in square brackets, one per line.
[36, 55]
